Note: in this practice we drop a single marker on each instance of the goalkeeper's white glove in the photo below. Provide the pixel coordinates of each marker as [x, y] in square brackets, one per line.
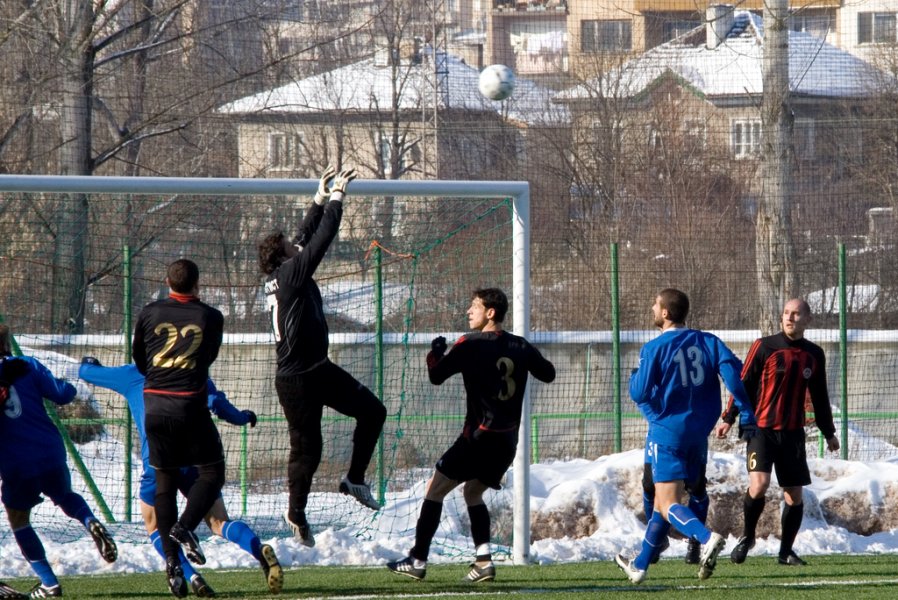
[323, 192]
[338, 187]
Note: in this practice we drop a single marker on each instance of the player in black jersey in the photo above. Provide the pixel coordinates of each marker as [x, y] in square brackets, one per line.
[306, 380]
[780, 372]
[494, 365]
[175, 341]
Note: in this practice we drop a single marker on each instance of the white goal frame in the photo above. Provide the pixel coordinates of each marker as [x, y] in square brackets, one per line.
[517, 191]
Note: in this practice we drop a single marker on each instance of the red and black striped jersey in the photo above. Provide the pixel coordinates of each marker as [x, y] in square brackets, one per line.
[175, 342]
[779, 374]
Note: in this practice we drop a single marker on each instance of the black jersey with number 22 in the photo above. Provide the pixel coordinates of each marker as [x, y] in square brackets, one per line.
[175, 342]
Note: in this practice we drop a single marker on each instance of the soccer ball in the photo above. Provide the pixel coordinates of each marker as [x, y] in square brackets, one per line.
[496, 82]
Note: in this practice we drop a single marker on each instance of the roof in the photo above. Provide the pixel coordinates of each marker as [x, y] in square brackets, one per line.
[364, 87]
[734, 68]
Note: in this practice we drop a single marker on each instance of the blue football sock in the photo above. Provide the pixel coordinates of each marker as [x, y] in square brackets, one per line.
[699, 506]
[74, 506]
[240, 533]
[188, 569]
[33, 551]
[648, 505]
[685, 521]
[655, 534]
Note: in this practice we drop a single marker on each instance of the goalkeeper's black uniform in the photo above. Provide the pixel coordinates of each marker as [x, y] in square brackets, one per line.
[306, 379]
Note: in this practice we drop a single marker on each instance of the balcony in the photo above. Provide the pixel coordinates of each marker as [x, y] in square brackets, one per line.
[552, 7]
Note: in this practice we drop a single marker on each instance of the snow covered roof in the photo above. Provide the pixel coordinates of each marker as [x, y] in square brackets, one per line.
[364, 87]
[733, 68]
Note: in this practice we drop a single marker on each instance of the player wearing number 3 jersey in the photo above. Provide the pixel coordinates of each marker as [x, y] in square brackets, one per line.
[676, 388]
[494, 365]
[176, 339]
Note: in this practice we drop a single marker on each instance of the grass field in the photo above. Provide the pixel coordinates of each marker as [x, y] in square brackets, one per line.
[836, 577]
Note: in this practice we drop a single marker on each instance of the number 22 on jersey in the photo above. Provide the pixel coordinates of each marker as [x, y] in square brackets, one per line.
[187, 360]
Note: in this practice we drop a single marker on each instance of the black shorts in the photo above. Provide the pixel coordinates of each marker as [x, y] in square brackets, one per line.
[485, 459]
[176, 442]
[781, 449]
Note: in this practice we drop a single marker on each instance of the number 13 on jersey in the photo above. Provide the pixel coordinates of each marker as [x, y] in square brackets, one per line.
[690, 366]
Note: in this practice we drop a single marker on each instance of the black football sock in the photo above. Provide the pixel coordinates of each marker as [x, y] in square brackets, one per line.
[428, 521]
[480, 528]
[752, 509]
[791, 523]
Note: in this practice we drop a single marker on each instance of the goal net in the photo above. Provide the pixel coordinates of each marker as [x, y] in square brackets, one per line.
[401, 271]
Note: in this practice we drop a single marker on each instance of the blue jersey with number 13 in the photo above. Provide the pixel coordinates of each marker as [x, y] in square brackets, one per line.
[676, 385]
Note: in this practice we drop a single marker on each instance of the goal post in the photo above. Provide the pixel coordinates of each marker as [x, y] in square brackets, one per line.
[517, 192]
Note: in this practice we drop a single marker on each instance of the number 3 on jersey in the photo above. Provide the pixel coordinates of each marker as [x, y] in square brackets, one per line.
[507, 388]
[690, 365]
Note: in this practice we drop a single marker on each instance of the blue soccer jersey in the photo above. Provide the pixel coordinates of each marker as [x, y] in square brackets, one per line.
[676, 385]
[127, 381]
[30, 444]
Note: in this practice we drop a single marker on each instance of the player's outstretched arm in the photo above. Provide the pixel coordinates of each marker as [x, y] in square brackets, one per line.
[58, 391]
[221, 407]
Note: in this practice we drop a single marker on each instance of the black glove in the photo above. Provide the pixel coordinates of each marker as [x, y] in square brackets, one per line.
[746, 432]
[438, 346]
[91, 360]
[252, 417]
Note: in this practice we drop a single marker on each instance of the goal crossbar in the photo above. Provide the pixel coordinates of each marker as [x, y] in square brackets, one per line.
[517, 191]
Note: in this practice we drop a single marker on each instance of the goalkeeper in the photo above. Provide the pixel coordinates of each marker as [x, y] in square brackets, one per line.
[127, 381]
[306, 380]
[33, 462]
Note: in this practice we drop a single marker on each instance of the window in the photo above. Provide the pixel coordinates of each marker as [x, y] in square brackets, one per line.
[284, 150]
[385, 152]
[876, 28]
[606, 36]
[746, 138]
[674, 29]
[803, 138]
[818, 25]
[695, 135]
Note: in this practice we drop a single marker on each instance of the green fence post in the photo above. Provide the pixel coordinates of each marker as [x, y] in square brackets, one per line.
[843, 348]
[534, 439]
[126, 343]
[587, 383]
[615, 349]
[244, 486]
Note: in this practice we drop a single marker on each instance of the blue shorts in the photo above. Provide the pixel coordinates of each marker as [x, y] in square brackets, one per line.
[186, 479]
[24, 493]
[670, 463]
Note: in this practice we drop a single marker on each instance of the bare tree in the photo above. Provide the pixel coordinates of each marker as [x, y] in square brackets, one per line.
[775, 251]
[115, 76]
